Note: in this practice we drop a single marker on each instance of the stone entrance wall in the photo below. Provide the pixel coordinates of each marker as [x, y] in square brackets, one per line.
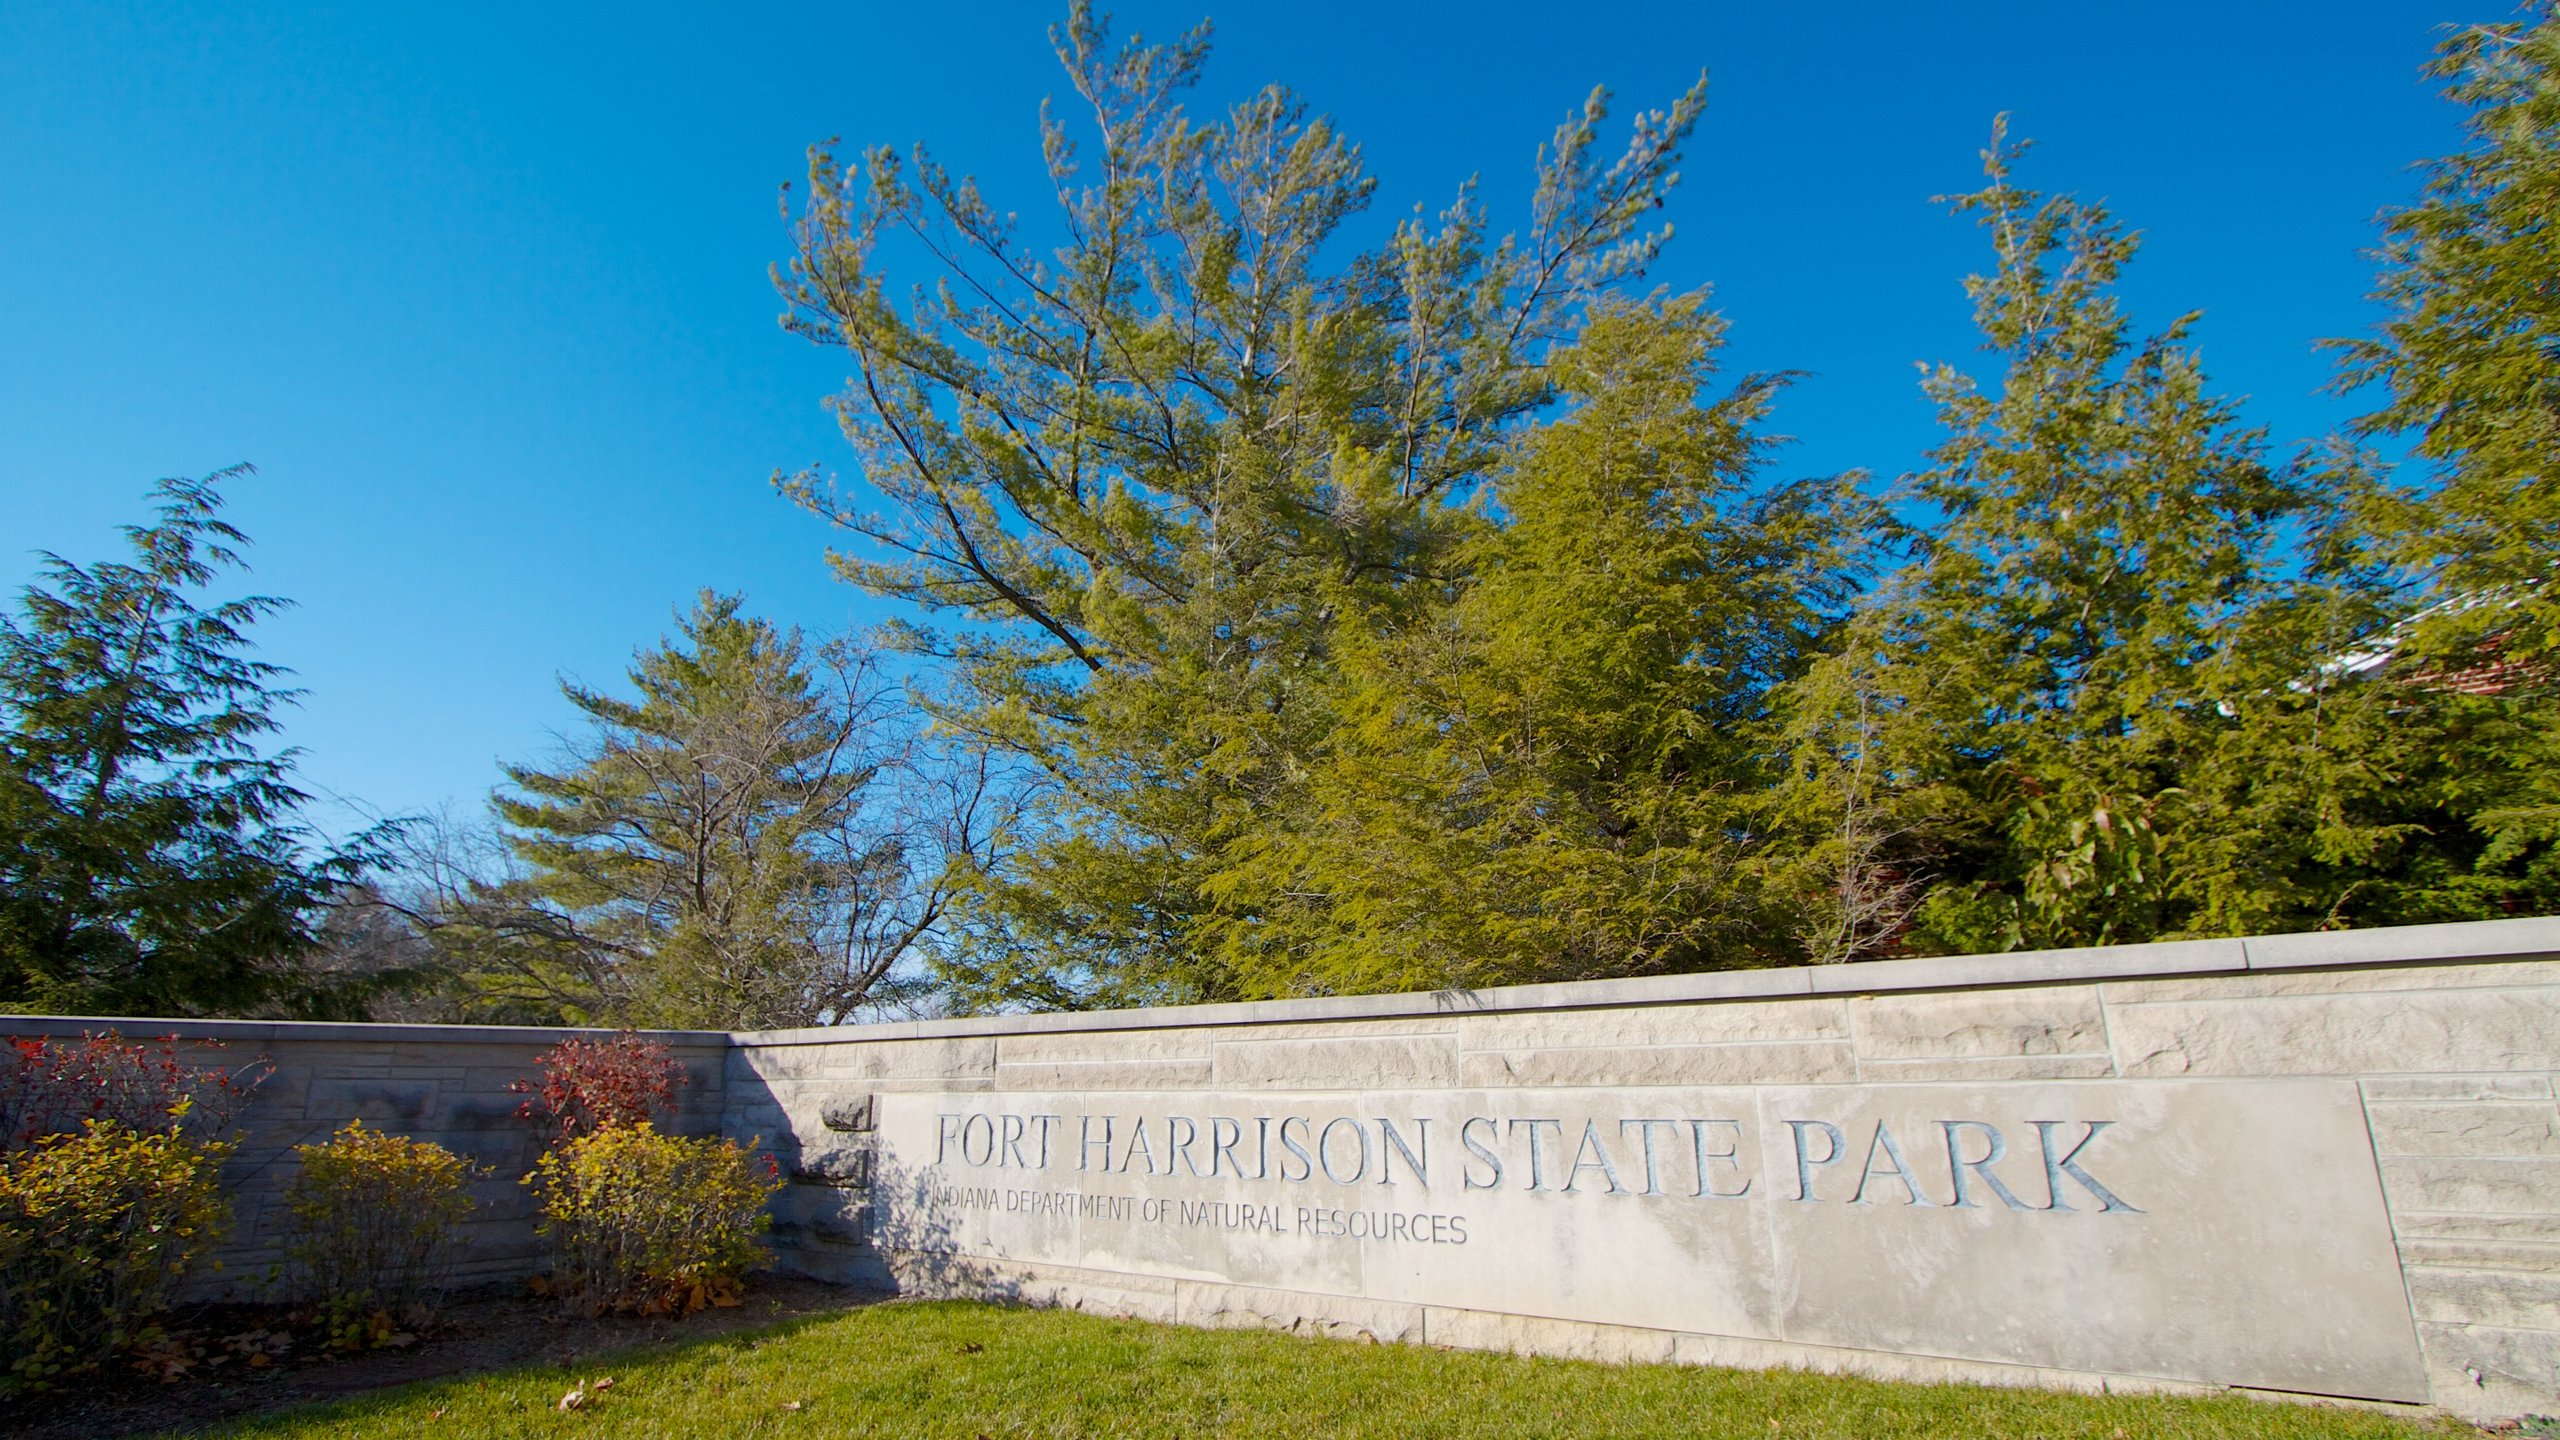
[2317, 1164]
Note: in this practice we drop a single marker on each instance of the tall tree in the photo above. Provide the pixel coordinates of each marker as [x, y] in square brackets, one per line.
[750, 843]
[1563, 771]
[2468, 363]
[2115, 597]
[1148, 478]
[2468, 357]
[151, 862]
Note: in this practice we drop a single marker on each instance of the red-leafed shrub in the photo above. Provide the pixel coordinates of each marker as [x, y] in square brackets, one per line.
[56, 1087]
[587, 1085]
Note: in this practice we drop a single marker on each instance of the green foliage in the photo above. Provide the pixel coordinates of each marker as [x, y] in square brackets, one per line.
[1414, 620]
[1561, 770]
[1164, 485]
[740, 848]
[656, 1224]
[97, 1230]
[2469, 358]
[2107, 700]
[2469, 367]
[375, 1219]
[150, 863]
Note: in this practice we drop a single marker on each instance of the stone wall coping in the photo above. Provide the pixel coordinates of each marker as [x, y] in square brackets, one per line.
[2474, 941]
[269, 1032]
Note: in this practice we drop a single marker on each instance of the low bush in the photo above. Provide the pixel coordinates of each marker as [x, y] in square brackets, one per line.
[97, 1230]
[653, 1223]
[590, 1085]
[375, 1218]
[54, 1087]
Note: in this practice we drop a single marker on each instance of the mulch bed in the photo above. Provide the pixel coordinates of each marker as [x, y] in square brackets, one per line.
[487, 1329]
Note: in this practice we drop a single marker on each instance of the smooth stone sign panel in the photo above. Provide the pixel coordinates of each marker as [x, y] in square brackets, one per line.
[2217, 1232]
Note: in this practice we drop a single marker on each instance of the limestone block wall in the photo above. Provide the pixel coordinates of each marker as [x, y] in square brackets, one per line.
[434, 1082]
[2339, 1157]
[2321, 1164]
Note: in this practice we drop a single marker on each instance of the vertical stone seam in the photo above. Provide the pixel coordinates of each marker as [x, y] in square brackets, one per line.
[2107, 1036]
[2399, 1247]
[1781, 1312]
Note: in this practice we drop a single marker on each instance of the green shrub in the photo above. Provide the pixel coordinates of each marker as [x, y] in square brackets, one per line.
[96, 1232]
[649, 1222]
[374, 1221]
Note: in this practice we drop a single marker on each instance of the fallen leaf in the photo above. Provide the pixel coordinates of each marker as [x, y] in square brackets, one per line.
[602, 1385]
[972, 1348]
[436, 1414]
[576, 1399]
[790, 1404]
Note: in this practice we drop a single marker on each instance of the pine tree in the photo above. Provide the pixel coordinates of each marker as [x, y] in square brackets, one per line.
[1563, 772]
[2468, 362]
[2469, 357]
[151, 861]
[2093, 707]
[1145, 479]
[729, 851]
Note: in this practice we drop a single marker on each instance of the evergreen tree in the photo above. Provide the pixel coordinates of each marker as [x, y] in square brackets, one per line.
[732, 850]
[2094, 708]
[1563, 771]
[150, 858]
[2469, 357]
[2468, 362]
[1150, 477]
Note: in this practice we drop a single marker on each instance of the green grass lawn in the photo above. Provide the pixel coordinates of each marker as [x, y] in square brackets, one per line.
[968, 1370]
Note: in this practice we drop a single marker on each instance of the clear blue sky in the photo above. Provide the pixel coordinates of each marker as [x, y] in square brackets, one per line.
[482, 290]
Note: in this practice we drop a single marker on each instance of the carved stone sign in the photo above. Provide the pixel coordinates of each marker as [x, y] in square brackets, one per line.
[2222, 1232]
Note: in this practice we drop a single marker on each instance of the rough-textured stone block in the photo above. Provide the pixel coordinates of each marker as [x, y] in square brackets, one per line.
[850, 1169]
[2513, 1129]
[1105, 1075]
[1990, 1067]
[2509, 1299]
[1808, 1063]
[2362, 1034]
[1357, 1064]
[1733, 1023]
[2062, 1020]
[2395, 1088]
[2538, 1228]
[850, 1113]
[1109, 1047]
[2481, 1371]
[935, 1060]
[2484, 1187]
[2541, 1256]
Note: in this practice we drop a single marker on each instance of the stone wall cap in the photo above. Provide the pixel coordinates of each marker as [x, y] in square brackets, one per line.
[256, 1032]
[2474, 940]
[2488, 940]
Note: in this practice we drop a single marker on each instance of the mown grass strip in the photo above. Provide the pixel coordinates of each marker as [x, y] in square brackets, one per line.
[967, 1370]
